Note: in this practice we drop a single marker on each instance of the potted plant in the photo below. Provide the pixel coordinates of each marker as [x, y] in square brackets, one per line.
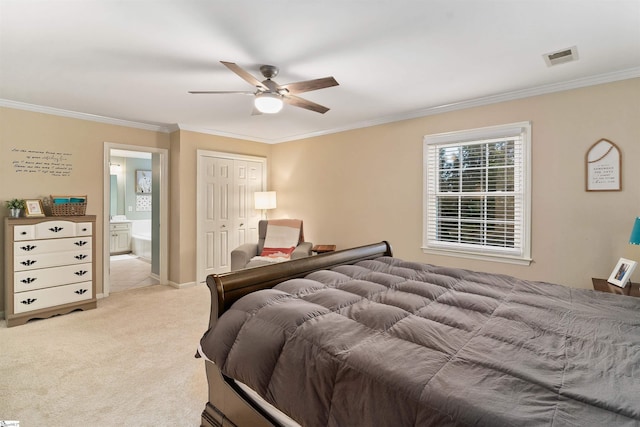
[15, 206]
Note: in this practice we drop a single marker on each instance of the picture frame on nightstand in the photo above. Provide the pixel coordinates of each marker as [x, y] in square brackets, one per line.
[622, 272]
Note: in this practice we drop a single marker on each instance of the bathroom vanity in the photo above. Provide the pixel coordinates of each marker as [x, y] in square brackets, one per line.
[120, 234]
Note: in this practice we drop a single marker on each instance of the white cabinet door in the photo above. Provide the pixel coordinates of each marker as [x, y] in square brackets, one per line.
[123, 241]
[120, 238]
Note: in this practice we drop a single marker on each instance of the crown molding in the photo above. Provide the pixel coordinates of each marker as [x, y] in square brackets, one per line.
[207, 131]
[439, 109]
[81, 116]
[487, 100]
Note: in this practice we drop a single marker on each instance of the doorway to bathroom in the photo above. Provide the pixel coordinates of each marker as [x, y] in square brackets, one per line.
[134, 219]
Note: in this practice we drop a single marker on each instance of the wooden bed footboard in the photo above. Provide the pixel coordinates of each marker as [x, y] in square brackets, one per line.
[227, 288]
[228, 405]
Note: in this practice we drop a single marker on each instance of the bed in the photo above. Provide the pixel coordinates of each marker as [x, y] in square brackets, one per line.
[358, 337]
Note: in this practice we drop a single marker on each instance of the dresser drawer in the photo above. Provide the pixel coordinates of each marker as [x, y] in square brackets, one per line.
[30, 280]
[49, 297]
[31, 247]
[84, 229]
[55, 229]
[34, 261]
[24, 232]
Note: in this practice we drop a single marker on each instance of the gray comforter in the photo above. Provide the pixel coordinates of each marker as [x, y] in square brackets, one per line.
[393, 343]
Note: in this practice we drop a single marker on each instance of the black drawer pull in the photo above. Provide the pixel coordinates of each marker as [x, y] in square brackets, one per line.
[81, 256]
[28, 247]
[28, 262]
[23, 233]
[81, 291]
[29, 280]
[29, 301]
[81, 243]
[81, 272]
[84, 229]
[56, 229]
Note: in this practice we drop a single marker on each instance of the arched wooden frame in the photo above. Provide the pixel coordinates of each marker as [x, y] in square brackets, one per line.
[603, 163]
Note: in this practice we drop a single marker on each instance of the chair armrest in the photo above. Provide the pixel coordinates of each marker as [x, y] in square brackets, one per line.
[303, 250]
[241, 255]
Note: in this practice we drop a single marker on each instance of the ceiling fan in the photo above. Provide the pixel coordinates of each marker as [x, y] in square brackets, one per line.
[269, 95]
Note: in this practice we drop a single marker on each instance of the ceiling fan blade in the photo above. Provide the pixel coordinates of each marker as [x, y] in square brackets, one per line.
[304, 103]
[310, 85]
[244, 74]
[242, 92]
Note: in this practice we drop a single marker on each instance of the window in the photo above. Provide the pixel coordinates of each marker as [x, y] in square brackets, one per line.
[477, 193]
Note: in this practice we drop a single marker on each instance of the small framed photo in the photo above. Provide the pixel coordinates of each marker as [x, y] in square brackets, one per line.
[33, 208]
[621, 274]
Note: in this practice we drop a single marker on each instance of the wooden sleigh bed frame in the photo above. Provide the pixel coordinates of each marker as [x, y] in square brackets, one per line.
[228, 403]
[358, 337]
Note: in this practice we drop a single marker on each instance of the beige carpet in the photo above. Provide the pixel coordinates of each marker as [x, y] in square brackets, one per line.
[127, 363]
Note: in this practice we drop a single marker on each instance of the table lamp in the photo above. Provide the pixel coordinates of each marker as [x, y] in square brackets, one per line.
[265, 200]
[633, 250]
[634, 239]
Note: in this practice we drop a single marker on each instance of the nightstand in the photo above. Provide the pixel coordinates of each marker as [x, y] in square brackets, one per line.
[632, 289]
[320, 249]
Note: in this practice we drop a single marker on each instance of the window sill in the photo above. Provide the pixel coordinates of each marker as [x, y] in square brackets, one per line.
[478, 256]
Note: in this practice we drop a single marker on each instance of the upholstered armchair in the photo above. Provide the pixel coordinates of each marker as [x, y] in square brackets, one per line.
[251, 255]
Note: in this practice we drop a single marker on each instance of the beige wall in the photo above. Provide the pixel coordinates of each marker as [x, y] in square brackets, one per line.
[183, 192]
[83, 140]
[365, 185]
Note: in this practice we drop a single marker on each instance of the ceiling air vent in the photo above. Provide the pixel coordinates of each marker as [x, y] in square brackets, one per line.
[561, 56]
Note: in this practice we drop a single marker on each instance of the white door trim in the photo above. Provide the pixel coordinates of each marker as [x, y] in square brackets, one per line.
[164, 210]
[200, 277]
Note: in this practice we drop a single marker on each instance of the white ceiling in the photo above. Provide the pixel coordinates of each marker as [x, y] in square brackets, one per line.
[394, 59]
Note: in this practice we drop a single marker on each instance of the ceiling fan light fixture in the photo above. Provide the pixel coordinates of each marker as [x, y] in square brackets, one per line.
[268, 103]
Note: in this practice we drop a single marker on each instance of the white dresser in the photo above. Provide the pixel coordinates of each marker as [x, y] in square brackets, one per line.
[49, 267]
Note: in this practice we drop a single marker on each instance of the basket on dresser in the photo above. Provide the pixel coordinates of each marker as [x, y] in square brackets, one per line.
[66, 205]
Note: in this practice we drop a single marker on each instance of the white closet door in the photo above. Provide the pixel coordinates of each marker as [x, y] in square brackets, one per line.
[255, 174]
[226, 216]
[241, 202]
[247, 180]
[217, 215]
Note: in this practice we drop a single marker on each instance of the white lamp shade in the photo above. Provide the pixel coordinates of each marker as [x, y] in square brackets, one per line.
[268, 103]
[265, 199]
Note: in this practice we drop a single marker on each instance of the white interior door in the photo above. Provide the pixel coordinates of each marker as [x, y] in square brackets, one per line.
[216, 193]
[247, 180]
[226, 216]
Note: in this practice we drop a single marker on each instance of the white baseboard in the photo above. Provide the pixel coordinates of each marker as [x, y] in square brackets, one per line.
[181, 285]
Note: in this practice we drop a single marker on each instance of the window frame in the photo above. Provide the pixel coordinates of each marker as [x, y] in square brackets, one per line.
[521, 255]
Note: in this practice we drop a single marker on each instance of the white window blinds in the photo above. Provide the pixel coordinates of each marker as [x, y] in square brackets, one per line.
[476, 192]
